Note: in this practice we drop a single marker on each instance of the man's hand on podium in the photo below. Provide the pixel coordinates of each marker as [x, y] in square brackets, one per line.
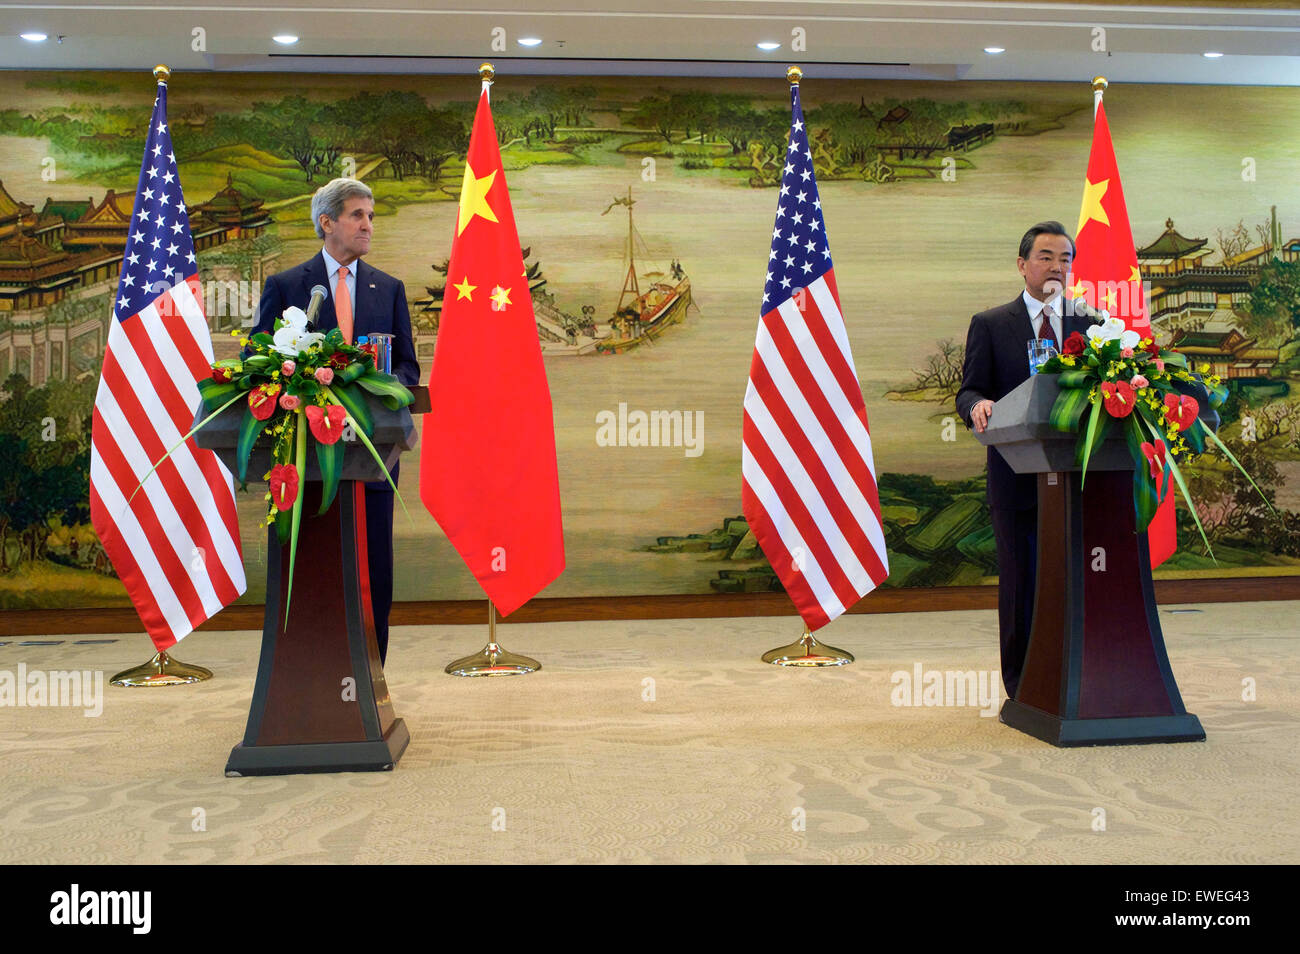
[979, 415]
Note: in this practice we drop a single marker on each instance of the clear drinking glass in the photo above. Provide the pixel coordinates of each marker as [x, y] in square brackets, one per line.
[1040, 352]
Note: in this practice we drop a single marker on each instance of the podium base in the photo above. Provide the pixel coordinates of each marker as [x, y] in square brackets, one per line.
[378, 756]
[1069, 733]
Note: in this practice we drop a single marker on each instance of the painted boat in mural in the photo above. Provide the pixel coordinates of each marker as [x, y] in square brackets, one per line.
[642, 316]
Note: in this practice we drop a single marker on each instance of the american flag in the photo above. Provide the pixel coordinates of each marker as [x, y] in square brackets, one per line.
[809, 486]
[175, 545]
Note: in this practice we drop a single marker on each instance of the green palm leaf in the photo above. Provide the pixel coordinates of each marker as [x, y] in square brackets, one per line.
[387, 388]
[330, 458]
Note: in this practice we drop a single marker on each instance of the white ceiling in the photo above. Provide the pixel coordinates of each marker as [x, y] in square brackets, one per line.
[1157, 42]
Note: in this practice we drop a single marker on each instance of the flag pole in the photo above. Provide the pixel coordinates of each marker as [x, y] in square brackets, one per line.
[492, 660]
[805, 652]
[161, 670]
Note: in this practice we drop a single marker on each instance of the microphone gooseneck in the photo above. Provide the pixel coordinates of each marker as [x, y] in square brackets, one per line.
[318, 294]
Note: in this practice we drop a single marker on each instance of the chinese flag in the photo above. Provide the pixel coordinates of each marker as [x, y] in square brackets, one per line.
[487, 461]
[1106, 274]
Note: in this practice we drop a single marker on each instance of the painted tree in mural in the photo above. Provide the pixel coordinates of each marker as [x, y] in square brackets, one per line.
[537, 114]
[1275, 301]
[44, 464]
[308, 132]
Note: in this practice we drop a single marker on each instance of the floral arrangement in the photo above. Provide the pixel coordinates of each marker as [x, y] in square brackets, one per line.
[1114, 375]
[298, 384]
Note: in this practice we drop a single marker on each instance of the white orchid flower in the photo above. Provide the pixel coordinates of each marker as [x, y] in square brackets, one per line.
[1108, 330]
[1129, 339]
[1097, 335]
[294, 317]
[289, 340]
[292, 336]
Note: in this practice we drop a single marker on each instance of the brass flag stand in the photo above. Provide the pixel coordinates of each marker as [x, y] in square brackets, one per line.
[808, 653]
[492, 660]
[162, 670]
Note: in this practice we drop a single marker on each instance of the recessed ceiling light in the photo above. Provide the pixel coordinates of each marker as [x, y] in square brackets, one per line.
[768, 46]
[994, 50]
[530, 41]
[33, 37]
[1212, 55]
[285, 39]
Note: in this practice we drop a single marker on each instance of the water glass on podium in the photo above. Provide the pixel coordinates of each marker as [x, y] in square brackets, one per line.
[1040, 351]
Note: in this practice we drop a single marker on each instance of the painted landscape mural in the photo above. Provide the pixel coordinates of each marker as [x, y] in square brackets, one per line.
[645, 208]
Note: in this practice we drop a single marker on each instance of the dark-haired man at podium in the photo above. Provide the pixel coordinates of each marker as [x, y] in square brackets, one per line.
[997, 361]
[362, 301]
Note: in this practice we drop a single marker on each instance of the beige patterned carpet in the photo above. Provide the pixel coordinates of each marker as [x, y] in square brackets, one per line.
[731, 761]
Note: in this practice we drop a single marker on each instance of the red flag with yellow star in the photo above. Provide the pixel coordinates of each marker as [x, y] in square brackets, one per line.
[488, 472]
[1105, 272]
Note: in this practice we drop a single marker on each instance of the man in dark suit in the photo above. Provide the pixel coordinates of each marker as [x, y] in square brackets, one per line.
[362, 301]
[997, 360]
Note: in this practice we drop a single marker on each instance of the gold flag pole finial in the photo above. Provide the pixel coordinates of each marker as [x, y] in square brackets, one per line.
[793, 74]
[487, 72]
[162, 73]
[1099, 84]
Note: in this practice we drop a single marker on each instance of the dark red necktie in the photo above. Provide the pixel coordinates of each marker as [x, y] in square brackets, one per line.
[1045, 332]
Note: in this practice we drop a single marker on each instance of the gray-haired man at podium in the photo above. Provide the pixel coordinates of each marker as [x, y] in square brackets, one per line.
[362, 301]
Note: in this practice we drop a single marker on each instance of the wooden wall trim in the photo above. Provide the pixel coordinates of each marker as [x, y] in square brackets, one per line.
[57, 622]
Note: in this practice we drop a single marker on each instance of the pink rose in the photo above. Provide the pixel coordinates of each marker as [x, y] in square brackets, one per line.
[1138, 381]
[325, 376]
[287, 368]
[1160, 364]
[1126, 352]
[290, 402]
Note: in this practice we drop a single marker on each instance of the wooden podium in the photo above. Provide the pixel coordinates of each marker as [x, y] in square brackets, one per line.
[1096, 672]
[320, 703]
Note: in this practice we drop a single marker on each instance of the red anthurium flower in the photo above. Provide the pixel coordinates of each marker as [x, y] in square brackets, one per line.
[1155, 455]
[326, 423]
[284, 485]
[1152, 348]
[261, 400]
[1118, 397]
[1074, 344]
[1182, 410]
[222, 375]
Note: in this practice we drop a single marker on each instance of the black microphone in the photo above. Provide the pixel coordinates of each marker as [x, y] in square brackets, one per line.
[318, 294]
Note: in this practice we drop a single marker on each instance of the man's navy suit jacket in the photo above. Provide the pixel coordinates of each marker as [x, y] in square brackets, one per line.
[997, 361]
[379, 307]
